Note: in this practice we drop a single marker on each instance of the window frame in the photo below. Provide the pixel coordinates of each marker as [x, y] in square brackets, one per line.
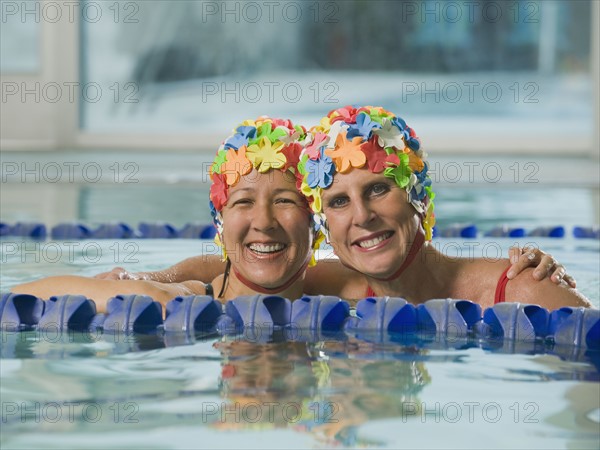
[60, 49]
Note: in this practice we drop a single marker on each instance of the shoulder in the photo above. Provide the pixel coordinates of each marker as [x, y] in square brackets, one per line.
[525, 289]
[477, 279]
[195, 287]
[161, 292]
[330, 277]
[217, 284]
[191, 287]
[483, 277]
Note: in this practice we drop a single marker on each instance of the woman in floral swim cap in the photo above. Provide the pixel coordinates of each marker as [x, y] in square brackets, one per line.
[264, 224]
[330, 277]
[365, 175]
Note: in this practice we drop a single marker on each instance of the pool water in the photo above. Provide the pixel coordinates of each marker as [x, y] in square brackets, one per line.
[25, 260]
[147, 392]
[91, 390]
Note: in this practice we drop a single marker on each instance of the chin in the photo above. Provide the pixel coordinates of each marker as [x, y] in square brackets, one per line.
[379, 269]
[268, 279]
[379, 275]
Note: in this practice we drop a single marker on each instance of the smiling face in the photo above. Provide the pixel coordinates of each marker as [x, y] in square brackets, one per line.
[371, 224]
[267, 228]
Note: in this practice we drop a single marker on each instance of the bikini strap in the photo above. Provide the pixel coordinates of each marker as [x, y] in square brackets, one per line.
[412, 253]
[499, 296]
[275, 290]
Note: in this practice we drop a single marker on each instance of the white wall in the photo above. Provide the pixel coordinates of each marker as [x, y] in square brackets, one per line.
[43, 119]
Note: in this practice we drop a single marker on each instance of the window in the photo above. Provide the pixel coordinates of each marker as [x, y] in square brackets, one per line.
[19, 37]
[492, 75]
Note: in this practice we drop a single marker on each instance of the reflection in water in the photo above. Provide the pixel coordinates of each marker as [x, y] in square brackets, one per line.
[327, 391]
[61, 344]
[301, 386]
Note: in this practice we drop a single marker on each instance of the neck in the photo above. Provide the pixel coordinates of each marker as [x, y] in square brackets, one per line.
[414, 250]
[292, 288]
[415, 276]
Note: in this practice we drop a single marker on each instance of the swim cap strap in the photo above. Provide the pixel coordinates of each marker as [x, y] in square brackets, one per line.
[412, 253]
[264, 290]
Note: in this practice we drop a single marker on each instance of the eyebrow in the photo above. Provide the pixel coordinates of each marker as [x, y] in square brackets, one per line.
[276, 191]
[280, 190]
[332, 191]
[327, 193]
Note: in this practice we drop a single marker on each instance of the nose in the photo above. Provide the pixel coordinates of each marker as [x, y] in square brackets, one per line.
[263, 217]
[362, 214]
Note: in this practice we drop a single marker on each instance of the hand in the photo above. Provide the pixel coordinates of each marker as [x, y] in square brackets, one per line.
[118, 273]
[521, 258]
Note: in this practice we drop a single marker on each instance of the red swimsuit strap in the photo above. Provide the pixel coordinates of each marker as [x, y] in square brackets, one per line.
[264, 290]
[499, 296]
[412, 254]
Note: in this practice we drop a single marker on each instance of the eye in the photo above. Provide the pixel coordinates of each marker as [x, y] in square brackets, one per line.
[242, 202]
[379, 189]
[283, 200]
[337, 202]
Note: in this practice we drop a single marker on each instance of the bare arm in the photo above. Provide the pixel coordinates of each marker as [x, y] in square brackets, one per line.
[523, 288]
[545, 265]
[330, 277]
[102, 290]
[200, 268]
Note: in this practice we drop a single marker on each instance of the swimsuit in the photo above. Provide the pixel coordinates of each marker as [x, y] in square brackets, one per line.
[275, 290]
[499, 296]
[501, 287]
[209, 290]
[412, 253]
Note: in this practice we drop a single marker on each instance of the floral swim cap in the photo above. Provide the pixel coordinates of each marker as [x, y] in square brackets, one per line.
[370, 137]
[263, 144]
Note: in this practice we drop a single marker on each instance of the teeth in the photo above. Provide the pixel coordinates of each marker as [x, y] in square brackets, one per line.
[266, 248]
[373, 242]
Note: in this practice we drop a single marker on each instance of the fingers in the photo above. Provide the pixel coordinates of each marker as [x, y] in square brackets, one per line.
[107, 276]
[560, 274]
[521, 261]
[514, 253]
[118, 273]
[570, 280]
[545, 267]
[124, 275]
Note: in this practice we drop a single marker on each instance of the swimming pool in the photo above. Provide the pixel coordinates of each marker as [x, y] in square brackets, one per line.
[80, 390]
